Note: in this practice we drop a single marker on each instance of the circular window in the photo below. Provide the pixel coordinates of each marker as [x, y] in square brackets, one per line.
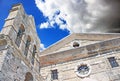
[75, 44]
[83, 70]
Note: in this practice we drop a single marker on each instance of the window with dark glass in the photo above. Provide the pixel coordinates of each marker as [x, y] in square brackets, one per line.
[54, 74]
[19, 36]
[83, 69]
[33, 54]
[27, 46]
[113, 62]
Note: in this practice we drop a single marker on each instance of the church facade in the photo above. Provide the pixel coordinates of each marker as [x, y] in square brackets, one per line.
[77, 57]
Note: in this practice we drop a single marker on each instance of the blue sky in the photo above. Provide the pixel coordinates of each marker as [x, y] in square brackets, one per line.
[47, 36]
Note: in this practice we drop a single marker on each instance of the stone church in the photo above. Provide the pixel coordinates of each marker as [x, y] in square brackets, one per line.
[77, 57]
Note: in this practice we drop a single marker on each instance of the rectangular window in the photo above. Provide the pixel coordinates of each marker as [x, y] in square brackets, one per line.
[113, 62]
[54, 74]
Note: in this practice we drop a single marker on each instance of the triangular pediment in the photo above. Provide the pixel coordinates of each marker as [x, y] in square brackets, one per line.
[82, 39]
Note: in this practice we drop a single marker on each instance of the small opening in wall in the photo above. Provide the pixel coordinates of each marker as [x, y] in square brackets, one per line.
[75, 44]
[19, 35]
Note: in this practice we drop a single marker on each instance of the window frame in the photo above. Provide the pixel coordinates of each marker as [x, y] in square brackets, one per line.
[113, 62]
[54, 74]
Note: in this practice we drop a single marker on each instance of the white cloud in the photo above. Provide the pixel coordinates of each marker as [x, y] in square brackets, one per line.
[79, 15]
[42, 47]
[44, 25]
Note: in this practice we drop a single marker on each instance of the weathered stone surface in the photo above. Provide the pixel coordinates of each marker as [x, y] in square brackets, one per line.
[101, 69]
[13, 69]
[14, 64]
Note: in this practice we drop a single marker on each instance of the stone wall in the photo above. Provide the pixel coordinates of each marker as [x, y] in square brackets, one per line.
[14, 64]
[101, 69]
[13, 68]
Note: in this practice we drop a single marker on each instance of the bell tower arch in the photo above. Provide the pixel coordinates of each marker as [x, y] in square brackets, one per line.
[28, 77]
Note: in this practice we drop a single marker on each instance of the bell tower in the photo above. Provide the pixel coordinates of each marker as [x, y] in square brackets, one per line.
[22, 46]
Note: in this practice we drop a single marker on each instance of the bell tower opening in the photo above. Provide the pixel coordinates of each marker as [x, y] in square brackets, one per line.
[28, 77]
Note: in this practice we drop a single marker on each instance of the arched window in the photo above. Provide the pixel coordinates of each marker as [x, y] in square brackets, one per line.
[28, 77]
[19, 35]
[33, 54]
[27, 45]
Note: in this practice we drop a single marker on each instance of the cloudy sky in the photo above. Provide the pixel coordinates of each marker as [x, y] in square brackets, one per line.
[56, 19]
